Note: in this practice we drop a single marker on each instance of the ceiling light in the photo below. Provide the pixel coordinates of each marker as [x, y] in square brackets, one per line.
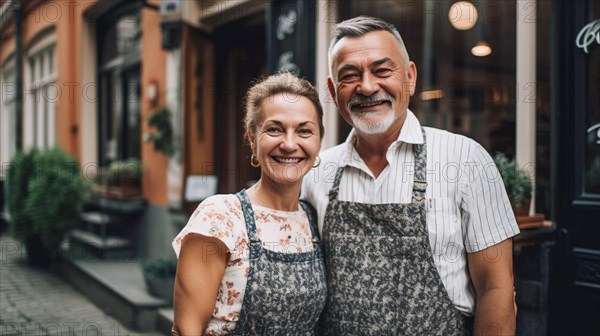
[462, 15]
[432, 94]
[481, 49]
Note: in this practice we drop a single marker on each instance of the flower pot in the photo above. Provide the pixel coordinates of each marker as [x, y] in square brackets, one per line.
[37, 254]
[160, 286]
[522, 210]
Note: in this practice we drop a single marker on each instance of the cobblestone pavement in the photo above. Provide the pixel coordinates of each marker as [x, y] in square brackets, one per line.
[38, 302]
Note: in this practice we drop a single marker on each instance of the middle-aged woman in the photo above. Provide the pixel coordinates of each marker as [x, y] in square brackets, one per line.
[251, 263]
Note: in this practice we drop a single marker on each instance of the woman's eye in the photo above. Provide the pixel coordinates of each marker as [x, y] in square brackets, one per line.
[305, 131]
[273, 130]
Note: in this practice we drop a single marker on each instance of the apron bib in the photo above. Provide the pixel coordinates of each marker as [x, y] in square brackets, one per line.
[285, 292]
[381, 276]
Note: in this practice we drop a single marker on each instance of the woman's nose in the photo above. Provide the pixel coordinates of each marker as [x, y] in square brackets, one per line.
[289, 142]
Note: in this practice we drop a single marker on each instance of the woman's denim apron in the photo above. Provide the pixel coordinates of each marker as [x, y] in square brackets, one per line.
[285, 292]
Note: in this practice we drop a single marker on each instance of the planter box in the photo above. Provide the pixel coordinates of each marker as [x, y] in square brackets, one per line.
[117, 192]
[531, 222]
[160, 287]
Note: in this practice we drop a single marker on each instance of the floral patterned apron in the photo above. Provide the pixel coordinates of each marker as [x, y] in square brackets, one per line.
[285, 292]
[381, 276]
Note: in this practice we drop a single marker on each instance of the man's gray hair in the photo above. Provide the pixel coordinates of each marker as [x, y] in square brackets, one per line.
[359, 26]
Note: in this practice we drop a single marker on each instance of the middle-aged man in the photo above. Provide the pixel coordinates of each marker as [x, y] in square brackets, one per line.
[415, 222]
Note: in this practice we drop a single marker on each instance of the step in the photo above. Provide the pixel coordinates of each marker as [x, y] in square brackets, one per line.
[97, 218]
[107, 247]
[117, 287]
[98, 222]
[164, 320]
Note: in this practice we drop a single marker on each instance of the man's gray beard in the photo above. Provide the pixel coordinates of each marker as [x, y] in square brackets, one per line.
[370, 128]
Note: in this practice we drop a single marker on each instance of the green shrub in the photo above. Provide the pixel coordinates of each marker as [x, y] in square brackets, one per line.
[124, 172]
[46, 193]
[516, 180]
[16, 190]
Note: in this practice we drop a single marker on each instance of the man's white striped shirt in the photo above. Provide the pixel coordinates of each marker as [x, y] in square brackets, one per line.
[467, 206]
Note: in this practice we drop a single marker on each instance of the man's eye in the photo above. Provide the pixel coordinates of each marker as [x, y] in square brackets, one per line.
[382, 71]
[349, 77]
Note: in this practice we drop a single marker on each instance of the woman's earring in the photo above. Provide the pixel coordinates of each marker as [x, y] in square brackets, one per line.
[254, 161]
[317, 162]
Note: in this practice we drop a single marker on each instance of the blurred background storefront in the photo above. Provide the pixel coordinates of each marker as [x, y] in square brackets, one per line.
[520, 77]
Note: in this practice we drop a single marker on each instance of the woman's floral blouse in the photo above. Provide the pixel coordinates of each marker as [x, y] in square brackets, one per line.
[221, 216]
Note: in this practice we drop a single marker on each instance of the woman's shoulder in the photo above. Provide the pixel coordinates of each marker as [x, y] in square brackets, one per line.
[218, 216]
[222, 204]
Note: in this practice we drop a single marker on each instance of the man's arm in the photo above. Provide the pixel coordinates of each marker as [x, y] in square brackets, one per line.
[491, 272]
[200, 269]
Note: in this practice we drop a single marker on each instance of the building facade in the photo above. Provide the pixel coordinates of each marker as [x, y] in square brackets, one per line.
[520, 77]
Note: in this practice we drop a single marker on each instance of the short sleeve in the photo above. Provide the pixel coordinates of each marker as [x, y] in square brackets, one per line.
[488, 218]
[218, 216]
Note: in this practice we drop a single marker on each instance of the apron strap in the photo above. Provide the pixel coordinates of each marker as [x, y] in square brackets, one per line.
[248, 212]
[312, 220]
[420, 176]
[333, 193]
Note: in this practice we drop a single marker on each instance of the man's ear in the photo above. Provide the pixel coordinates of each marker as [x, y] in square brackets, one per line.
[331, 88]
[412, 77]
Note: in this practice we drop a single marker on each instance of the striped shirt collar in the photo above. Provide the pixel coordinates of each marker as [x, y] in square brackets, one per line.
[409, 133]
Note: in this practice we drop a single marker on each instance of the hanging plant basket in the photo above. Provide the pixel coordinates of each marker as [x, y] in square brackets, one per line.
[162, 135]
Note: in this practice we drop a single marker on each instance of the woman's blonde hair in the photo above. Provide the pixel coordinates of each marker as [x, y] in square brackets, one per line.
[287, 83]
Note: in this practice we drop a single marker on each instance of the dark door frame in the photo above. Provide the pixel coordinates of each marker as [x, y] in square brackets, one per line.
[574, 298]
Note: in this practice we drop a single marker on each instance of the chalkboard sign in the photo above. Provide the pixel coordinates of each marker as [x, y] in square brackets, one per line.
[291, 37]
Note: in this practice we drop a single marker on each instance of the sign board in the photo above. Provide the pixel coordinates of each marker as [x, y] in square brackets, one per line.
[200, 187]
[291, 37]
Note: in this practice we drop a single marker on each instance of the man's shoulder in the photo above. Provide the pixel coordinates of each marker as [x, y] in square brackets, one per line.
[444, 133]
[444, 136]
[333, 154]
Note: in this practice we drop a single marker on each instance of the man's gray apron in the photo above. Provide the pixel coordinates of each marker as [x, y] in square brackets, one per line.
[381, 276]
[285, 292]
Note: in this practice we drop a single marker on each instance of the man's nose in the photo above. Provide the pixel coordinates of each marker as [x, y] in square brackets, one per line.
[368, 85]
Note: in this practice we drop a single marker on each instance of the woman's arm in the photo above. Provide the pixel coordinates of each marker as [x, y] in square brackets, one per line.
[200, 270]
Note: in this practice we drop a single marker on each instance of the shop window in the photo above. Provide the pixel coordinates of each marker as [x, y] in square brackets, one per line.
[41, 95]
[7, 113]
[456, 89]
[118, 36]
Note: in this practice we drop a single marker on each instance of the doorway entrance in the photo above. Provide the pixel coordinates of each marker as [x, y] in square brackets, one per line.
[240, 49]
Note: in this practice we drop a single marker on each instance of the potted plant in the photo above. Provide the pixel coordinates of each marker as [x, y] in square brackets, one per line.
[517, 183]
[45, 193]
[159, 275]
[121, 179]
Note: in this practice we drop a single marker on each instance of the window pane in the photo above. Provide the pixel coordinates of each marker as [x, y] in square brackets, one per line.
[7, 116]
[119, 44]
[133, 115]
[117, 126]
[51, 60]
[121, 36]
